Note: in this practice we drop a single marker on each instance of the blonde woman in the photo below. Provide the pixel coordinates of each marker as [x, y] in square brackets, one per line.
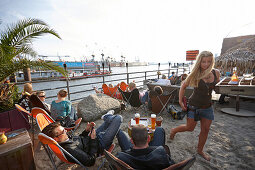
[61, 107]
[203, 78]
[24, 100]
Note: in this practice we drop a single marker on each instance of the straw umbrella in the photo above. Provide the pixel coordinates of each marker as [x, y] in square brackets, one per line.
[241, 56]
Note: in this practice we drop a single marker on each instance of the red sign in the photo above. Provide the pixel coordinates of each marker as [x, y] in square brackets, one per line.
[191, 55]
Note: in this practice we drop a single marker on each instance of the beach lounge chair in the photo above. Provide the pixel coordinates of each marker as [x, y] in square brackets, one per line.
[37, 110]
[159, 102]
[51, 145]
[112, 91]
[116, 163]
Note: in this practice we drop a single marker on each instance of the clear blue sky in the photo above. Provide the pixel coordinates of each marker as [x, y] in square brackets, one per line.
[151, 30]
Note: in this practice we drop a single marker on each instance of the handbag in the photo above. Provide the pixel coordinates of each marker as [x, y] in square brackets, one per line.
[66, 121]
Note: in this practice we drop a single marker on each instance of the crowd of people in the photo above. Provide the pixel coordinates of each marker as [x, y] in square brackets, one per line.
[140, 152]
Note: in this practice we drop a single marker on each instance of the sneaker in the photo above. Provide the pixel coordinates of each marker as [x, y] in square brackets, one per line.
[110, 112]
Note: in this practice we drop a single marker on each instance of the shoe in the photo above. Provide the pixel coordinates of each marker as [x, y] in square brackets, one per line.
[110, 112]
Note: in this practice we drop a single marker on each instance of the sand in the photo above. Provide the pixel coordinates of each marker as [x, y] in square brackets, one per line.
[231, 141]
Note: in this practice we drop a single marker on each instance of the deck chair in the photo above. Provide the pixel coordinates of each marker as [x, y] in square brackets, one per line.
[42, 121]
[159, 102]
[123, 86]
[51, 144]
[116, 163]
[37, 110]
[111, 91]
[183, 165]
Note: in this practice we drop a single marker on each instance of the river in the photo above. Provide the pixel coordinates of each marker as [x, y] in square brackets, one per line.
[51, 91]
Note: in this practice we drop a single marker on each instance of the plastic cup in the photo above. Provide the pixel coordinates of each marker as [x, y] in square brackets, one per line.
[159, 121]
[153, 121]
[137, 118]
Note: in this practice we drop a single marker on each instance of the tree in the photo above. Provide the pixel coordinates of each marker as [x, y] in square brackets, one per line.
[16, 46]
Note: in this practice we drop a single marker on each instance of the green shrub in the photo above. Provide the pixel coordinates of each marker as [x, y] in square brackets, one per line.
[9, 95]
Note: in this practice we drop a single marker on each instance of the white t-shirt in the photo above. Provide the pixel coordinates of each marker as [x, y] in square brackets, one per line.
[163, 82]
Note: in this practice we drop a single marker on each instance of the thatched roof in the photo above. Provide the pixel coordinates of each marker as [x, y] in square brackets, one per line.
[241, 56]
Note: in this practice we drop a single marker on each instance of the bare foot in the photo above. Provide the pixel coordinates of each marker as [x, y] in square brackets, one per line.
[205, 156]
[172, 134]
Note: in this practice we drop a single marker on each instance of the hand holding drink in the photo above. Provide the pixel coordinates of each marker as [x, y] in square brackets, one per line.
[137, 118]
[153, 121]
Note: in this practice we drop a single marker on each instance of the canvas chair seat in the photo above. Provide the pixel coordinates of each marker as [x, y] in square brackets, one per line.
[50, 144]
[159, 102]
[117, 164]
[112, 91]
[36, 110]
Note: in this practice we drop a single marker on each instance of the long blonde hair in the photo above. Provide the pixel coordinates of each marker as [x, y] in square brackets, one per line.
[196, 74]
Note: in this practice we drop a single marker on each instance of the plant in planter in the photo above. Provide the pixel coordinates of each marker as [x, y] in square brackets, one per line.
[8, 96]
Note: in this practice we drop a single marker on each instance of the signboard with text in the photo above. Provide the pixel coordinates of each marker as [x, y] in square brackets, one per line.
[191, 55]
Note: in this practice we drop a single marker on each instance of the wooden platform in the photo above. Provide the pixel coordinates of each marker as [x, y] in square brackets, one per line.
[241, 112]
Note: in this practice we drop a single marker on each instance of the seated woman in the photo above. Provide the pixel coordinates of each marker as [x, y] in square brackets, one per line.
[61, 107]
[24, 100]
[132, 96]
[42, 96]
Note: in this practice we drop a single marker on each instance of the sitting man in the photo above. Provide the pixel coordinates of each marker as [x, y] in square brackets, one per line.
[42, 97]
[163, 81]
[145, 99]
[145, 154]
[88, 145]
[132, 96]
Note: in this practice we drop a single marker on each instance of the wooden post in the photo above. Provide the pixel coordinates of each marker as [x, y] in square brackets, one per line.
[67, 82]
[27, 74]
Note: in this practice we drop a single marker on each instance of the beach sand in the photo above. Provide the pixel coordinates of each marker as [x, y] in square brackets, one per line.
[231, 141]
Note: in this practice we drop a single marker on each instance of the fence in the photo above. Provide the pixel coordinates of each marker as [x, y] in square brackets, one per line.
[127, 77]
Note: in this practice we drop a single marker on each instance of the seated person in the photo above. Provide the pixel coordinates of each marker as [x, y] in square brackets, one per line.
[172, 78]
[140, 152]
[90, 142]
[145, 99]
[42, 96]
[61, 107]
[183, 77]
[24, 100]
[163, 81]
[132, 96]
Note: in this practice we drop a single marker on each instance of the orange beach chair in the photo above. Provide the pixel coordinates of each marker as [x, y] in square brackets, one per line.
[111, 91]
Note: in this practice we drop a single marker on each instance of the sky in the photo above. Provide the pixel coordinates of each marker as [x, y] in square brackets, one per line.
[148, 30]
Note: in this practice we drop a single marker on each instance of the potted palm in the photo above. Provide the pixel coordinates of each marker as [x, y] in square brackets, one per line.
[15, 46]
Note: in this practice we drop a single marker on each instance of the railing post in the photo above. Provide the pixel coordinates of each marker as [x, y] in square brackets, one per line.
[103, 71]
[169, 66]
[183, 68]
[127, 73]
[158, 69]
[67, 82]
[177, 69]
[145, 75]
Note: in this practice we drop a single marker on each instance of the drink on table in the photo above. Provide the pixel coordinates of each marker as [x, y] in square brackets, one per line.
[159, 121]
[137, 118]
[153, 121]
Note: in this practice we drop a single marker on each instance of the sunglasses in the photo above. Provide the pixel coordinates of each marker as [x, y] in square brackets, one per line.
[42, 96]
[64, 131]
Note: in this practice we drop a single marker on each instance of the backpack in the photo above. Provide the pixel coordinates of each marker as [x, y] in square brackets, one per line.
[175, 113]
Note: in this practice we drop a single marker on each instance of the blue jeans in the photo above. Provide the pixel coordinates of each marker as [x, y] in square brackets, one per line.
[145, 97]
[158, 139]
[108, 130]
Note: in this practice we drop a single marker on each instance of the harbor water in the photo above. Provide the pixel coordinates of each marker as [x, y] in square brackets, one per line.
[84, 87]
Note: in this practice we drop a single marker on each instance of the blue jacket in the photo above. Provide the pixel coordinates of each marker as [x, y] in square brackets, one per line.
[153, 157]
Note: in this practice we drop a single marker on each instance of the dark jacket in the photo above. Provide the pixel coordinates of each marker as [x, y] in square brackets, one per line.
[132, 97]
[83, 148]
[153, 157]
